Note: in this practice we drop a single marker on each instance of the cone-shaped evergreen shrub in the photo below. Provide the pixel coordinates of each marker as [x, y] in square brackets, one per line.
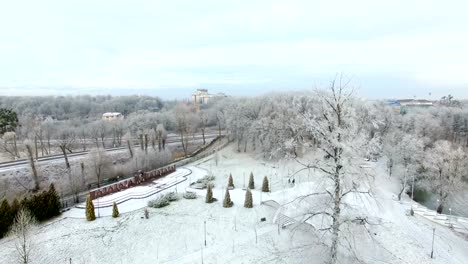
[227, 200]
[90, 216]
[115, 210]
[251, 182]
[265, 185]
[53, 202]
[209, 194]
[248, 203]
[230, 181]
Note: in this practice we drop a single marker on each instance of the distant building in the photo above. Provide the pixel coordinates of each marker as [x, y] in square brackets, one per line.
[112, 116]
[201, 96]
[404, 104]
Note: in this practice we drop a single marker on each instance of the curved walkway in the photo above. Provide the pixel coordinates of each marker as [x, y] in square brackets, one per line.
[137, 197]
[157, 186]
[457, 223]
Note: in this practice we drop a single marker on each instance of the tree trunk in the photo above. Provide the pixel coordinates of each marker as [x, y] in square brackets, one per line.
[35, 147]
[33, 168]
[142, 145]
[336, 221]
[48, 146]
[15, 146]
[64, 151]
[146, 143]
[83, 180]
[42, 147]
[130, 149]
[203, 135]
[183, 144]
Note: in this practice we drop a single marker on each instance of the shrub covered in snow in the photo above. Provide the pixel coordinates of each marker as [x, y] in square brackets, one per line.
[172, 197]
[159, 202]
[206, 180]
[190, 195]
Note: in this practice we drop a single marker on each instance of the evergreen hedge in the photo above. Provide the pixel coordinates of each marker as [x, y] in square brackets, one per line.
[43, 206]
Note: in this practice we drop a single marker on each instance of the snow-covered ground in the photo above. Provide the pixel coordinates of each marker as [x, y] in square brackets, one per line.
[137, 197]
[175, 234]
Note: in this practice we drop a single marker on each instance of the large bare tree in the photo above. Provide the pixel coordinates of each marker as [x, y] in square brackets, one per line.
[333, 133]
[66, 138]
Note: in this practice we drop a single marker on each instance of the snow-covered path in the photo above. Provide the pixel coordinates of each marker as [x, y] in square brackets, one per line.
[137, 197]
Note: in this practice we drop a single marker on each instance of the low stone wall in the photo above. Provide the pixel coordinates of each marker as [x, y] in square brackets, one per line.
[138, 179]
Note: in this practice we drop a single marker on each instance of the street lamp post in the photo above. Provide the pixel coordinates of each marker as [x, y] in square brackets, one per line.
[450, 218]
[433, 235]
[205, 232]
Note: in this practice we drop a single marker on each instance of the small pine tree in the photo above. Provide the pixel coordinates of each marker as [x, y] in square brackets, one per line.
[227, 200]
[265, 185]
[90, 216]
[115, 210]
[230, 182]
[248, 203]
[251, 182]
[209, 194]
[53, 202]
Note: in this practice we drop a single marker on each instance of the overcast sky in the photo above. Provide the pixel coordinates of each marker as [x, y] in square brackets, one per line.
[390, 49]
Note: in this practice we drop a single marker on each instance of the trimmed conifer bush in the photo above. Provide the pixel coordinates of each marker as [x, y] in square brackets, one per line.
[248, 203]
[115, 210]
[265, 185]
[251, 182]
[230, 182]
[227, 200]
[209, 194]
[90, 215]
[53, 202]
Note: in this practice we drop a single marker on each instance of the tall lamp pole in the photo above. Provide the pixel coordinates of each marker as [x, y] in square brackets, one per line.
[205, 232]
[433, 235]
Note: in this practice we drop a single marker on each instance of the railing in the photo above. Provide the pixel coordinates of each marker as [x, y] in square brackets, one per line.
[457, 223]
[138, 179]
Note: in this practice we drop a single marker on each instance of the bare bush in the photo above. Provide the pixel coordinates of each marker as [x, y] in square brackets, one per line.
[22, 230]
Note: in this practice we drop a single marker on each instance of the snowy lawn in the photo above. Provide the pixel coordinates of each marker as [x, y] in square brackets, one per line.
[175, 234]
[137, 197]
